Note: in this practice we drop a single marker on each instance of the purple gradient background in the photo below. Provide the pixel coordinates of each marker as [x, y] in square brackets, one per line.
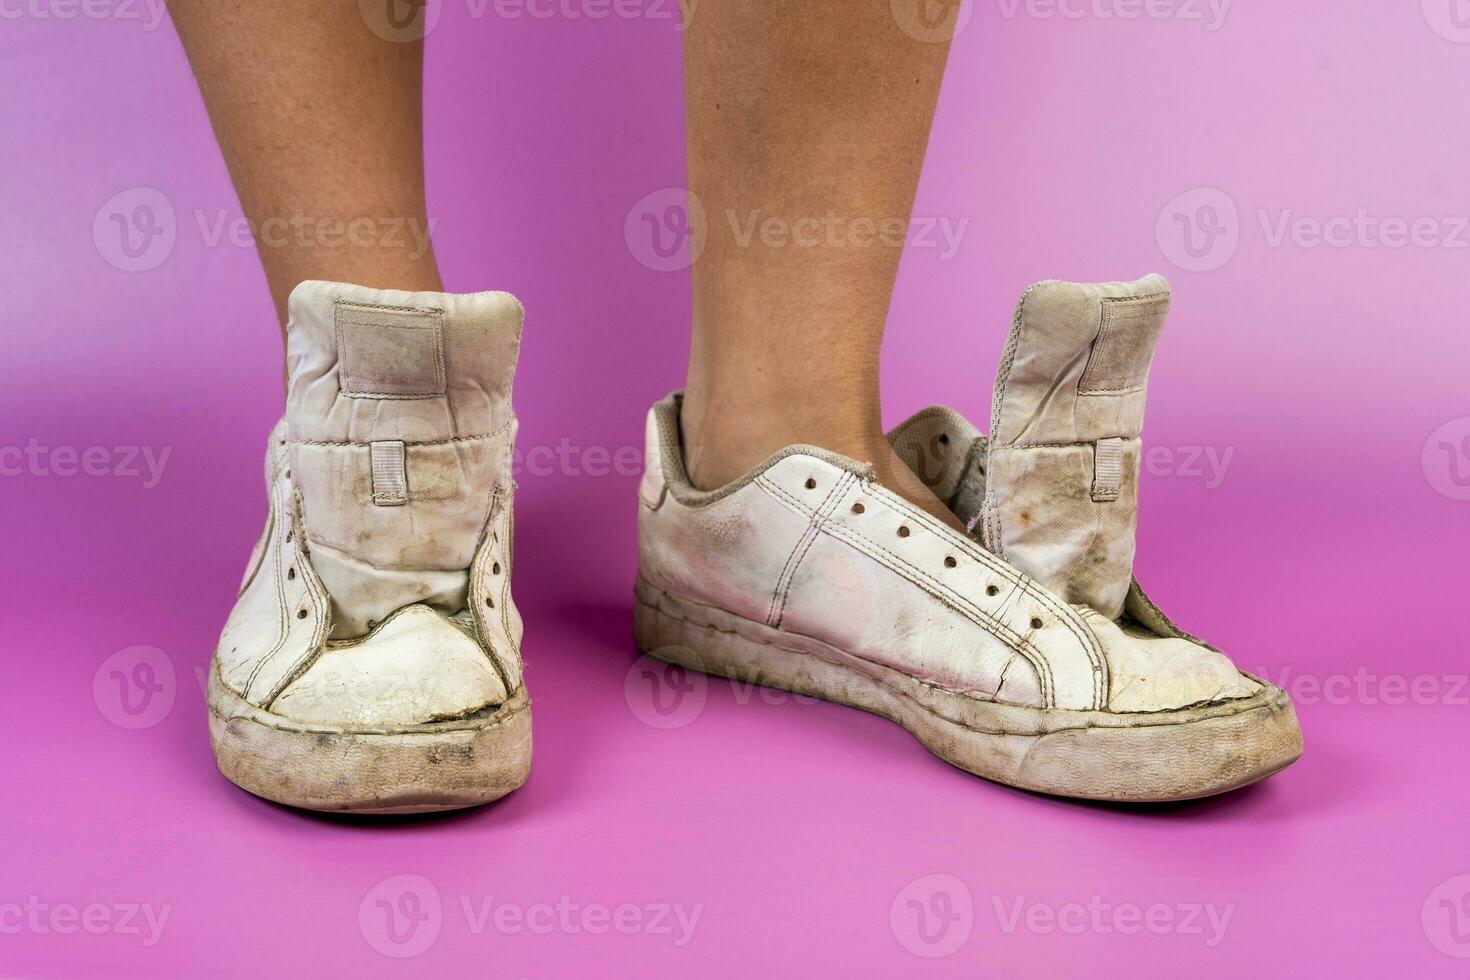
[1325, 551]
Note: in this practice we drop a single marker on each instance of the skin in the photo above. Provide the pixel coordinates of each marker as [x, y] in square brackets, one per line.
[799, 111]
[316, 115]
[811, 117]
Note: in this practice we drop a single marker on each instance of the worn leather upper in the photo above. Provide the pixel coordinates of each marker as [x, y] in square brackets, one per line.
[379, 593]
[808, 543]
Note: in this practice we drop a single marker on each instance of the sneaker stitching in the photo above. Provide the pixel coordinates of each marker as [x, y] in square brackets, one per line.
[897, 563]
[798, 554]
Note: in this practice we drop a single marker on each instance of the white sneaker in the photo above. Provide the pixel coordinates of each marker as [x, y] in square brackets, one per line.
[372, 662]
[1034, 660]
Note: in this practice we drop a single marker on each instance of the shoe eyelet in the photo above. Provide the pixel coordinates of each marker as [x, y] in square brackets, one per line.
[858, 508]
[1036, 623]
[291, 573]
[949, 562]
[903, 530]
[811, 484]
[489, 601]
[992, 590]
[301, 614]
[495, 569]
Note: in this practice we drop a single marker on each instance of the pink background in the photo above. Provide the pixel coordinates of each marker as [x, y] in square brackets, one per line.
[1330, 556]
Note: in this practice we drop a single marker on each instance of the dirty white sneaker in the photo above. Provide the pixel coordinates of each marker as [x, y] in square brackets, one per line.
[372, 662]
[1035, 659]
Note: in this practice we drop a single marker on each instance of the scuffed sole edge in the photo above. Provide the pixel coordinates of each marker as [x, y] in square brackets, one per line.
[441, 766]
[1133, 758]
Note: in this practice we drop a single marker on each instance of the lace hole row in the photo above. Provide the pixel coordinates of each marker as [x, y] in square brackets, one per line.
[949, 561]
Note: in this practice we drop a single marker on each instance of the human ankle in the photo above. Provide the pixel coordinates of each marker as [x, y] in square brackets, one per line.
[724, 445]
[715, 457]
[360, 267]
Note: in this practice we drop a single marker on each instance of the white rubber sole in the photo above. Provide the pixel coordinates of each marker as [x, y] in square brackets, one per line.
[1098, 755]
[441, 766]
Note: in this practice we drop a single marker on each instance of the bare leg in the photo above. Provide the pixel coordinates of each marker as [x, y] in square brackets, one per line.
[807, 129]
[320, 122]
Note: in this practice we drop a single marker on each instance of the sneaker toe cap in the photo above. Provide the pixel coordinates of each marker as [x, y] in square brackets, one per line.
[416, 668]
[1154, 673]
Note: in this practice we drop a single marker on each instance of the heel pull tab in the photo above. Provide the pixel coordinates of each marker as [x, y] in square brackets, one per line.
[1107, 470]
[390, 473]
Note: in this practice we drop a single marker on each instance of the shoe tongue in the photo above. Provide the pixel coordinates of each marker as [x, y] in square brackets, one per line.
[1062, 470]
